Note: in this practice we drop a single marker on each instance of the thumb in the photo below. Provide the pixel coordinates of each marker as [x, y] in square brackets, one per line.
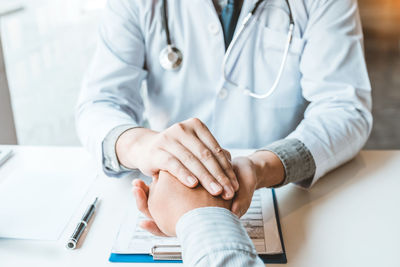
[141, 201]
[240, 205]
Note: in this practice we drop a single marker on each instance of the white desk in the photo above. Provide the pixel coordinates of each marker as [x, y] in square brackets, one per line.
[350, 218]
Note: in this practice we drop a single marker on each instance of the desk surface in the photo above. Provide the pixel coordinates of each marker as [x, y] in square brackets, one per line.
[350, 218]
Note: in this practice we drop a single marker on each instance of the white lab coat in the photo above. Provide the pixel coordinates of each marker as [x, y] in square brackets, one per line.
[323, 99]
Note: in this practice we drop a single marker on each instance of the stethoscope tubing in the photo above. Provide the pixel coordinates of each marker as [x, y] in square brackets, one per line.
[166, 64]
[245, 23]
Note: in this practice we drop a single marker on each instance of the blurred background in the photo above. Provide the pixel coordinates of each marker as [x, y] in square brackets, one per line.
[47, 46]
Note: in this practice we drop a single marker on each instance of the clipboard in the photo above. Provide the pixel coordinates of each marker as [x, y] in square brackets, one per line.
[162, 253]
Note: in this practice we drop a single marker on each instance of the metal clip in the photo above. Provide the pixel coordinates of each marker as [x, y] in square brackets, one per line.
[160, 252]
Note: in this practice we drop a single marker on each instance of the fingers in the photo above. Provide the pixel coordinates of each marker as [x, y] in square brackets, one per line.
[151, 227]
[197, 168]
[244, 195]
[141, 201]
[189, 152]
[219, 154]
[211, 175]
[241, 202]
[141, 193]
[240, 206]
[139, 183]
[170, 163]
[206, 161]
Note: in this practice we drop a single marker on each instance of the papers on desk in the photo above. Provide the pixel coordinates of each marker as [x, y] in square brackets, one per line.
[37, 202]
[260, 222]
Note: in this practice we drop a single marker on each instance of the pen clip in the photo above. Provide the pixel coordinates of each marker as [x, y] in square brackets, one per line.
[160, 252]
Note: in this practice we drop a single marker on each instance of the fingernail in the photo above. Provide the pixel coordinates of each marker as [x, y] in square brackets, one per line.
[191, 180]
[215, 188]
[228, 191]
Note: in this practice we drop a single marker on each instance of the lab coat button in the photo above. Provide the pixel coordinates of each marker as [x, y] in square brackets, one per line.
[223, 93]
[213, 28]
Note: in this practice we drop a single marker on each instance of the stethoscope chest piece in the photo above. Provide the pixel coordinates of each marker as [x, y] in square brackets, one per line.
[171, 58]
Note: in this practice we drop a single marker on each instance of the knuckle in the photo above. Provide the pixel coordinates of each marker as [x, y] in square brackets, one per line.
[206, 155]
[218, 150]
[179, 127]
[188, 158]
[169, 161]
[162, 138]
[196, 122]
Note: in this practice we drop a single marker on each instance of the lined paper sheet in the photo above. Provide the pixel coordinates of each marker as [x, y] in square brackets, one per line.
[259, 221]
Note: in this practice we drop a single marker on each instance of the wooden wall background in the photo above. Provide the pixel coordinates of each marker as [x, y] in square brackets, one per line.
[381, 23]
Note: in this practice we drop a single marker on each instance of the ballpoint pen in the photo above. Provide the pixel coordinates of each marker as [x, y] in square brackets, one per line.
[5, 154]
[81, 226]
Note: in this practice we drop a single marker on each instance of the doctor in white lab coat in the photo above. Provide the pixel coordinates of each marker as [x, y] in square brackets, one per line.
[318, 117]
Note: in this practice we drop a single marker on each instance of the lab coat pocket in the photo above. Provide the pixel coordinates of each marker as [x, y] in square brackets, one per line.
[272, 45]
[276, 40]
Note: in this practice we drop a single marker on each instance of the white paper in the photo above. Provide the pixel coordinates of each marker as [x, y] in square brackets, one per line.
[259, 221]
[38, 200]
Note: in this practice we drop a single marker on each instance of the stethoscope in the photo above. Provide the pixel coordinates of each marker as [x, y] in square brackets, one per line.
[171, 57]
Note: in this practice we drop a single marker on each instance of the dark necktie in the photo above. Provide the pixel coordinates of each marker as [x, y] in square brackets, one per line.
[229, 17]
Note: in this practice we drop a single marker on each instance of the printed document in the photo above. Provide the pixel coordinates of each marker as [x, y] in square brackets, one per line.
[259, 221]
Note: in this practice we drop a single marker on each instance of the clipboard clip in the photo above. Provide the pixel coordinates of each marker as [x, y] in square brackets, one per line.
[166, 252]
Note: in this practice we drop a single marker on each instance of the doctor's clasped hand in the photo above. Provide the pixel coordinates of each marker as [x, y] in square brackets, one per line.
[187, 150]
[261, 169]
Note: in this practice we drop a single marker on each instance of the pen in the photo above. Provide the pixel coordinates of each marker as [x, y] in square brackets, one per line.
[81, 226]
[5, 155]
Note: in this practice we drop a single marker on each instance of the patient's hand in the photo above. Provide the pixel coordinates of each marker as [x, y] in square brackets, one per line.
[168, 200]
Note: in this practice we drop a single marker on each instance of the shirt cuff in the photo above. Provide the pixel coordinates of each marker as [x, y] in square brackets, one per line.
[297, 161]
[206, 231]
[111, 164]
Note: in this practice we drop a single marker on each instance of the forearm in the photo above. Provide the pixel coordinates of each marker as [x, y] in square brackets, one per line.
[282, 162]
[215, 237]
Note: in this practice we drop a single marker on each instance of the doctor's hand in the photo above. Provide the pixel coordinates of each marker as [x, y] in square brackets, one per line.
[166, 200]
[187, 150]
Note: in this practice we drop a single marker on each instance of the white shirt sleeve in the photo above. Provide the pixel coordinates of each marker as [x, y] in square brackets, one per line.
[213, 236]
[110, 96]
[338, 120]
